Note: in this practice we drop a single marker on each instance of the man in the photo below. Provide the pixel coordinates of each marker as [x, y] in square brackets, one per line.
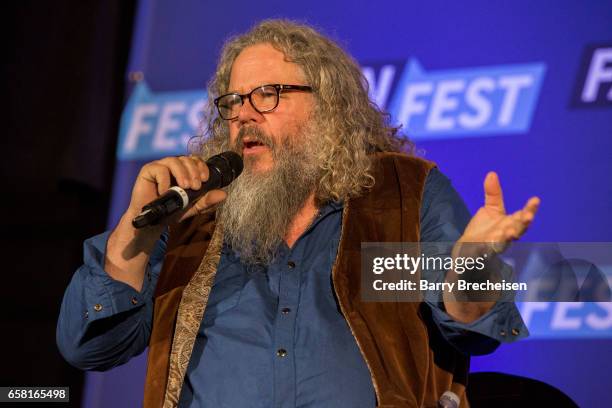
[258, 302]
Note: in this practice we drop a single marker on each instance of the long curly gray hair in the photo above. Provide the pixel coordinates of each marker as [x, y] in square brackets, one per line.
[352, 127]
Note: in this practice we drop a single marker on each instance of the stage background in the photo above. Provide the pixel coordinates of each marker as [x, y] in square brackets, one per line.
[531, 82]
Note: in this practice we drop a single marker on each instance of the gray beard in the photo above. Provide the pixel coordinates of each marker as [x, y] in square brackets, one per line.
[260, 206]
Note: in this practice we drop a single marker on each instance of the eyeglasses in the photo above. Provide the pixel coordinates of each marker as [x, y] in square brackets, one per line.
[264, 99]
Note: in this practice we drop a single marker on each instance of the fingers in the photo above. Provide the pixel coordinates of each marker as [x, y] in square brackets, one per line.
[532, 206]
[157, 177]
[163, 181]
[494, 198]
[204, 203]
[514, 230]
[202, 169]
[189, 172]
[508, 230]
[526, 215]
[515, 225]
[197, 170]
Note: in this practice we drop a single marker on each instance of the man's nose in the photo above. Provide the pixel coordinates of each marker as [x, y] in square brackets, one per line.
[248, 113]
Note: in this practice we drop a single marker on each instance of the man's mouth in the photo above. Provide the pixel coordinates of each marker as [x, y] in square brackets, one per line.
[253, 147]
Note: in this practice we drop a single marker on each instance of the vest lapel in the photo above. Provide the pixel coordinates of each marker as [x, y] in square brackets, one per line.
[189, 317]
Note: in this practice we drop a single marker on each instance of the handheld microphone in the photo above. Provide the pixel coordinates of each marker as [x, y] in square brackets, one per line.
[223, 168]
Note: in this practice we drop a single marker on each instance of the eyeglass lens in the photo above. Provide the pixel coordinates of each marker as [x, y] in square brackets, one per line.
[264, 98]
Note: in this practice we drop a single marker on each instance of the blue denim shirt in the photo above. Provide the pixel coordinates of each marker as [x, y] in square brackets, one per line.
[270, 336]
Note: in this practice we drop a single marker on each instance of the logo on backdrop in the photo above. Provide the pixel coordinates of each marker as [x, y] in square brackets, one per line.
[438, 104]
[567, 319]
[458, 103]
[159, 124]
[594, 83]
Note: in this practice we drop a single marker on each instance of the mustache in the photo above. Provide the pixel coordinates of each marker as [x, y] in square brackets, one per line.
[255, 135]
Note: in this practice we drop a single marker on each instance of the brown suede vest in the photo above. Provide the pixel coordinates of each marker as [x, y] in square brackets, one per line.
[410, 363]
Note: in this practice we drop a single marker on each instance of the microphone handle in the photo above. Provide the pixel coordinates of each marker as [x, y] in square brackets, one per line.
[173, 200]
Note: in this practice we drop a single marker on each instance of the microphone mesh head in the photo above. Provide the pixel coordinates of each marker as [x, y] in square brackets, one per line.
[225, 167]
[235, 162]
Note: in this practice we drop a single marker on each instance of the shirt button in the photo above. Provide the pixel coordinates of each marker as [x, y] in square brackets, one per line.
[97, 307]
[87, 314]
[285, 310]
[281, 352]
[515, 332]
[134, 301]
[502, 333]
[291, 264]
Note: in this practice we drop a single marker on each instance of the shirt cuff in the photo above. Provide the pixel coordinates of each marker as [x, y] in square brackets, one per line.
[501, 324]
[105, 296]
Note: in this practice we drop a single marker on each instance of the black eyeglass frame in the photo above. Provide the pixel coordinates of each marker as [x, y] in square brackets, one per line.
[278, 87]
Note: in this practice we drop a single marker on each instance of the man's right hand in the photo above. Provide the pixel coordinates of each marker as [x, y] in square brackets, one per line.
[157, 177]
[128, 249]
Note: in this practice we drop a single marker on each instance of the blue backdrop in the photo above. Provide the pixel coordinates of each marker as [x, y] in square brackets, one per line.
[523, 88]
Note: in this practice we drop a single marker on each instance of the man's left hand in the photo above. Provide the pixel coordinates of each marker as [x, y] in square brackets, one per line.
[491, 224]
[492, 229]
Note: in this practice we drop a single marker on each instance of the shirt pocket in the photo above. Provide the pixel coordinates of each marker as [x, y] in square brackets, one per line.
[224, 295]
